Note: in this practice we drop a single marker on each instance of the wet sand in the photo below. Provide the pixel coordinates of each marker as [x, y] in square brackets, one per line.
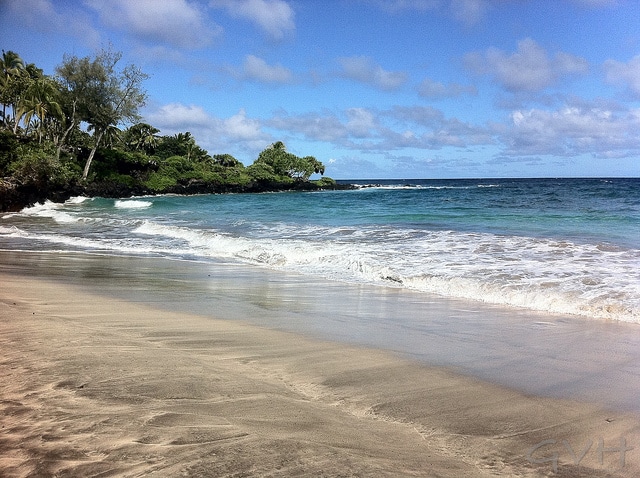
[91, 385]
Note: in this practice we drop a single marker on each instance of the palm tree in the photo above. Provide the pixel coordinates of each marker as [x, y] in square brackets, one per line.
[11, 67]
[142, 136]
[40, 100]
[111, 135]
[186, 142]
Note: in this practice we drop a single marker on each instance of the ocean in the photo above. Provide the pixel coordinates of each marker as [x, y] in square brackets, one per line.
[533, 284]
[563, 246]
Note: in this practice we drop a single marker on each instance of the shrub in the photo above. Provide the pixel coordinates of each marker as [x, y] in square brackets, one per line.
[325, 182]
[158, 181]
[38, 165]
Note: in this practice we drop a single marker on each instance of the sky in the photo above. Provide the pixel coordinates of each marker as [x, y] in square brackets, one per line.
[372, 88]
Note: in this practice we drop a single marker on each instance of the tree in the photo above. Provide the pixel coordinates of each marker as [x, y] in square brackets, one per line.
[187, 142]
[101, 95]
[11, 69]
[181, 144]
[117, 101]
[142, 137]
[287, 164]
[41, 100]
[226, 160]
[78, 77]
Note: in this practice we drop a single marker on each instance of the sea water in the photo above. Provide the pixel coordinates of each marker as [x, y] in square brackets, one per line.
[564, 246]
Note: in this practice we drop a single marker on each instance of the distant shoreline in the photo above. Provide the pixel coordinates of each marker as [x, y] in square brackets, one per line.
[16, 197]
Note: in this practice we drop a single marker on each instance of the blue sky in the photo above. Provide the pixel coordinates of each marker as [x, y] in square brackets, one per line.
[373, 88]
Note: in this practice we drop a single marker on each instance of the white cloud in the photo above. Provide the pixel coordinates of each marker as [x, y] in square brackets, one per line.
[159, 54]
[573, 131]
[626, 74]
[179, 23]
[367, 129]
[41, 15]
[433, 89]
[242, 128]
[469, 12]
[323, 126]
[255, 68]
[363, 69]
[360, 122]
[355, 167]
[176, 117]
[529, 69]
[237, 133]
[275, 17]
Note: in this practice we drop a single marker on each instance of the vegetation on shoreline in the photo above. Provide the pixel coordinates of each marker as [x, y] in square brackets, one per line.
[79, 132]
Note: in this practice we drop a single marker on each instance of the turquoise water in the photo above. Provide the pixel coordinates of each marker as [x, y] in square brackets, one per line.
[557, 245]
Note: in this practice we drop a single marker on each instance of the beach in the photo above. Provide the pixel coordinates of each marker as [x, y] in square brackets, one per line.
[116, 381]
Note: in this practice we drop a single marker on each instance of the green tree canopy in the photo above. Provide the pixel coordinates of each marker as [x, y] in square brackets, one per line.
[287, 164]
[142, 137]
[101, 94]
[12, 69]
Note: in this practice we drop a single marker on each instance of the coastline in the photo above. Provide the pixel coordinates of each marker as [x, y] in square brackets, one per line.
[94, 384]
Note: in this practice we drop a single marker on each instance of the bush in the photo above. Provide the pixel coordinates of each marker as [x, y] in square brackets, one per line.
[8, 151]
[38, 165]
[325, 182]
[262, 172]
[123, 179]
[159, 181]
[122, 162]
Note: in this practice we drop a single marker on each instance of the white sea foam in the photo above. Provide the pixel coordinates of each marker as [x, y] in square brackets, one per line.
[132, 204]
[77, 200]
[9, 231]
[51, 210]
[559, 277]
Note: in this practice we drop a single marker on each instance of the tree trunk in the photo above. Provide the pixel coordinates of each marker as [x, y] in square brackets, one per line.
[87, 165]
[64, 136]
[63, 139]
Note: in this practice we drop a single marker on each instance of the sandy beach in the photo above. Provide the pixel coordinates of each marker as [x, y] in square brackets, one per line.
[92, 385]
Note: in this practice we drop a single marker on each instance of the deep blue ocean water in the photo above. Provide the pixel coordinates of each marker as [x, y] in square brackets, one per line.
[557, 245]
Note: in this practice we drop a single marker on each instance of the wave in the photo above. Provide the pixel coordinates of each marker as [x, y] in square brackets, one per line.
[546, 275]
[48, 209]
[408, 186]
[132, 204]
[595, 279]
[77, 200]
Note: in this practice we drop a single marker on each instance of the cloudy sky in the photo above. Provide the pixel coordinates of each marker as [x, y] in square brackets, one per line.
[373, 88]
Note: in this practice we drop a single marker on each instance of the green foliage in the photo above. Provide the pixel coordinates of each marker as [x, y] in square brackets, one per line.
[122, 179]
[226, 160]
[263, 172]
[42, 143]
[234, 176]
[141, 137]
[325, 182]
[8, 150]
[39, 166]
[288, 165]
[102, 95]
[159, 181]
[182, 144]
[170, 171]
[177, 164]
[121, 162]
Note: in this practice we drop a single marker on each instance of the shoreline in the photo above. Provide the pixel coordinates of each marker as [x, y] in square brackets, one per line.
[536, 353]
[99, 385]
